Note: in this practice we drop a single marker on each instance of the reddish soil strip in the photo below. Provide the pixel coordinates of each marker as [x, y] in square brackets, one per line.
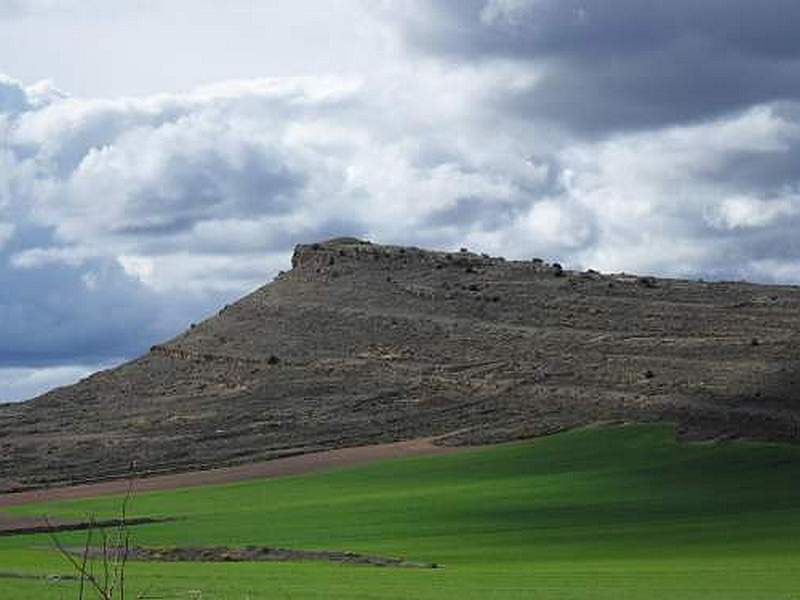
[279, 467]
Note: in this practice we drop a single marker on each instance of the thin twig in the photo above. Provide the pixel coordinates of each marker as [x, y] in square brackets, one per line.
[78, 566]
[124, 540]
[106, 572]
[115, 553]
[84, 559]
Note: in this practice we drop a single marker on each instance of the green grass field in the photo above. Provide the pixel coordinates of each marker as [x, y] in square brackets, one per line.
[607, 513]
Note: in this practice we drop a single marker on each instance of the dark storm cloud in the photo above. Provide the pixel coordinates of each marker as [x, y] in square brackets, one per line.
[62, 314]
[625, 64]
[80, 314]
[759, 172]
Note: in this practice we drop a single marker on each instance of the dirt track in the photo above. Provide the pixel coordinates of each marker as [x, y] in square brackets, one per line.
[292, 465]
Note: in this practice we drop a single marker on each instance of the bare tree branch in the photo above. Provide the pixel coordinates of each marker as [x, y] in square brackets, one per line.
[113, 553]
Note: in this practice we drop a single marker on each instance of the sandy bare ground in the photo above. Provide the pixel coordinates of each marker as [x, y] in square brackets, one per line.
[292, 465]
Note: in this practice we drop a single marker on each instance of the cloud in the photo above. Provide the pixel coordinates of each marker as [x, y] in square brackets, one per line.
[14, 9]
[240, 170]
[13, 97]
[743, 212]
[207, 191]
[171, 171]
[16, 98]
[57, 313]
[675, 189]
[611, 65]
[6, 233]
[23, 383]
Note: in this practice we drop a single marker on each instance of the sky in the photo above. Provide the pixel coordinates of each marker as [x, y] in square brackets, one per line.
[160, 158]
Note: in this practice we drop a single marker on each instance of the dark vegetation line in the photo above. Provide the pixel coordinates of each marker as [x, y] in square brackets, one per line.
[81, 526]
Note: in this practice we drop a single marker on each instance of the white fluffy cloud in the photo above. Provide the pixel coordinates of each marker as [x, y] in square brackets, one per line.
[206, 192]
[699, 200]
[743, 212]
[240, 171]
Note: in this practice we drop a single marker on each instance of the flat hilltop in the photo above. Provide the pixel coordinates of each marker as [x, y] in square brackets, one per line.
[362, 344]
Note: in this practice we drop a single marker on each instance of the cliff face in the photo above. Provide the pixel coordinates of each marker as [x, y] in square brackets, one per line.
[361, 343]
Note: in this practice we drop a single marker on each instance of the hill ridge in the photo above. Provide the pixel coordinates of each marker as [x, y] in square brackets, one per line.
[361, 343]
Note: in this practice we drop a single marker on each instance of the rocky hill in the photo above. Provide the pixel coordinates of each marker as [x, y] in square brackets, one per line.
[361, 343]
